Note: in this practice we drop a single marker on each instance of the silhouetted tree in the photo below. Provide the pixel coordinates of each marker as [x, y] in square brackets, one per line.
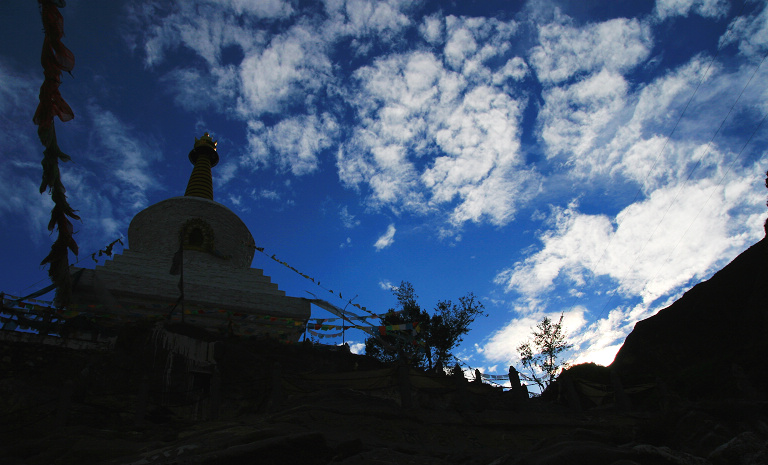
[433, 338]
[447, 327]
[540, 357]
[407, 345]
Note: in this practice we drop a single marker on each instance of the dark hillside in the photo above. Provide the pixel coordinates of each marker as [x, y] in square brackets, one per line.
[711, 342]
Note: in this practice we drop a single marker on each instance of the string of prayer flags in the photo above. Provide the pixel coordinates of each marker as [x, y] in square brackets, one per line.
[495, 377]
[107, 250]
[323, 335]
[91, 310]
[354, 317]
[305, 276]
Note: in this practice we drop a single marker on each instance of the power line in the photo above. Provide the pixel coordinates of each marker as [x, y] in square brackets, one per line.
[690, 174]
[661, 151]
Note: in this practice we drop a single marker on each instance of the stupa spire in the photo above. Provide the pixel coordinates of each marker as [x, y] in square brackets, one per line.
[204, 157]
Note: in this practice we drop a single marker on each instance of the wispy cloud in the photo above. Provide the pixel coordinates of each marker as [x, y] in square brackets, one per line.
[708, 8]
[386, 285]
[130, 157]
[348, 220]
[386, 239]
[750, 32]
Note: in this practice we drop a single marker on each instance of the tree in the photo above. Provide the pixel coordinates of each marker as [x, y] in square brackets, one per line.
[540, 357]
[437, 334]
[447, 327]
[403, 345]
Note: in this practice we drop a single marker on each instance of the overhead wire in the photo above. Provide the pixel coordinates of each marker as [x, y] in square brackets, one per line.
[682, 186]
[733, 162]
[704, 76]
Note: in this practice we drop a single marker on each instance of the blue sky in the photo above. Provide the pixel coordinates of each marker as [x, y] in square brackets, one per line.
[596, 158]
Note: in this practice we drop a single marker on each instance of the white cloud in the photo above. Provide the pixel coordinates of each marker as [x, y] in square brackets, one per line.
[356, 347]
[266, 194]
[432, 29]
[386, 285]
[574, 118]
[293, 144]
[347, 219]
[502, 345]
[129, 158]
[678, 234]
[516, 68]
[460, 45]
[750, 32]
[386, 239]
[23, 200]
[413, 110]
[707, 8]
[410, 107]
[194, 89]
[368, 16]
[204, 27]
[293, 65]
[606, 131]
[616, 45]
[262, 8]
[224, 173]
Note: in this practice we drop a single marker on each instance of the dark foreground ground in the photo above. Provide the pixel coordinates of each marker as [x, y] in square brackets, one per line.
[62, 406]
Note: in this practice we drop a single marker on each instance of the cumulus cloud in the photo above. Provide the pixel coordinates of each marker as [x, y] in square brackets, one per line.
[564, 51]
[356, 347]
[678, 234]
[293, 144]
[224, 173]
[205, 27]
[412, 109]
[263, 8]
[364, 17]
[432, 29]
[386, 239]
[423, 115]
[574, 118]
[295, 63]
[697, 206]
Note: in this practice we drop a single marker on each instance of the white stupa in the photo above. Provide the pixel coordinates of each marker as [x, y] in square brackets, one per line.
[213, 251]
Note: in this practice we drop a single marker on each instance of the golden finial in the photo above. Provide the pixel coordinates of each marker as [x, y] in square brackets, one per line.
[205, 141]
